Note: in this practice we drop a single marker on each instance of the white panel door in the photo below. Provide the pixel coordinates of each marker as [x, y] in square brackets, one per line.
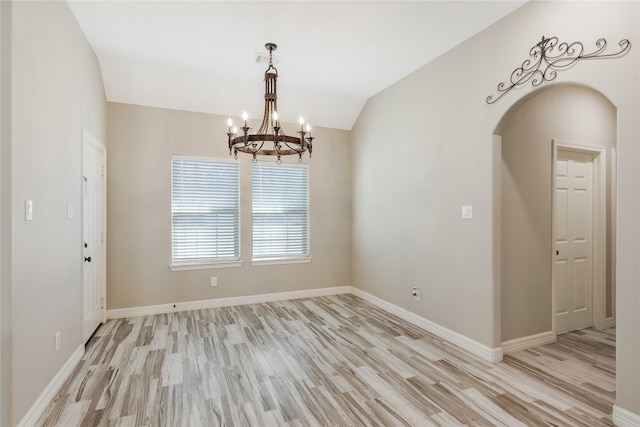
[574, 240]
[93, 217]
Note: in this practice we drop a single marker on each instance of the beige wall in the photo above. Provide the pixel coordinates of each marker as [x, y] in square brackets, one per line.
[5, 211]
[57, 92]
[568, 113]
[432, 135]
[141, 142]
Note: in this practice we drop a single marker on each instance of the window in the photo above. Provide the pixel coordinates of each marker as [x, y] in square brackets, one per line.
[205, 211]
[280, 201]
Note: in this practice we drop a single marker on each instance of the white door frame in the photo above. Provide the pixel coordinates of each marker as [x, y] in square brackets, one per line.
[87, 138]
[611, 321]
[599, 244]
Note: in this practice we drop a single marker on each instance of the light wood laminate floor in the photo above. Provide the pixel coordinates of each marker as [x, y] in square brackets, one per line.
[326, 361]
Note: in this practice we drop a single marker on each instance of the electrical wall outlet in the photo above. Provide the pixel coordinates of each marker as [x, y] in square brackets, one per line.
[214, 281]
[57, 341]
[415, 292]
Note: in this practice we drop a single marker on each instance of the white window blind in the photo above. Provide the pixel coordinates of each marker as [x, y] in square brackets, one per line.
[280, 201]
[205, 211]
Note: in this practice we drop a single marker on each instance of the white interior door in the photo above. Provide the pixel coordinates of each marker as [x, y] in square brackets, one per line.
[574, 240]
[93, 218]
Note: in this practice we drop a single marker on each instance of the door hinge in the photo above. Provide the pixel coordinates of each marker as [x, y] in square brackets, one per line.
[102, 171]
[102, 237]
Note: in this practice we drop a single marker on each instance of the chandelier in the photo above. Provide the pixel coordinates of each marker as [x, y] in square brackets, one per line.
[270, 132]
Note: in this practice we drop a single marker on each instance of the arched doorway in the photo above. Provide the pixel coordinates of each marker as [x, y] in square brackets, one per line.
[578, 116]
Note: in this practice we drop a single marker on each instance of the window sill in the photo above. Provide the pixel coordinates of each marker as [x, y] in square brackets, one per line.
[207, 266]
[277, 261]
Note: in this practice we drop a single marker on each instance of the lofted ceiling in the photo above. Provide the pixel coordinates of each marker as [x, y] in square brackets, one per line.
[332, 55]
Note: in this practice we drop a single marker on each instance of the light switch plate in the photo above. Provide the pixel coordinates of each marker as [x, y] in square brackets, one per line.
[70, 211]
[467, 212]
[28, 210]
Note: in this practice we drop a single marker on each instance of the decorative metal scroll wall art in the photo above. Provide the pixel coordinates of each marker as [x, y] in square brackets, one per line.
[548, 57]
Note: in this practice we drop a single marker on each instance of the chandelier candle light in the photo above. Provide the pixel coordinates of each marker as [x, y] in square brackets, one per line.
[270, 130]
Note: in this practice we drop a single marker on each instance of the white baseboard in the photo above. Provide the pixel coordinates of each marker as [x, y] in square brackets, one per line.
[489, 354]
[624, 418]
[39, 406]
[609, 322]
[530, 341]
[149, 310]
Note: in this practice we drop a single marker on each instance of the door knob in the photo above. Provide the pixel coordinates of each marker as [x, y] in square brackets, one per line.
[87, 259]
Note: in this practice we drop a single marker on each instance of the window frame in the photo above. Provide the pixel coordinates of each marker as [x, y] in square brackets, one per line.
[206, 263]
[283, 259]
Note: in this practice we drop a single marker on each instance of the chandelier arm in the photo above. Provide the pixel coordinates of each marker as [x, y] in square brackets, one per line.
[253, 147]
[297, 146]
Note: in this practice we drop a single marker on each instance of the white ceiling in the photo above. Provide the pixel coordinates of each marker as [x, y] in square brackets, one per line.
[332, 55]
